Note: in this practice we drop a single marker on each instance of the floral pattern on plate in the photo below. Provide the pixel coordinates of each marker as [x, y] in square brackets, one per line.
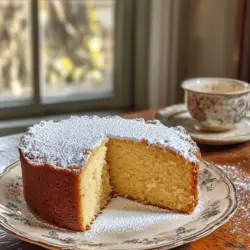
[146, 227]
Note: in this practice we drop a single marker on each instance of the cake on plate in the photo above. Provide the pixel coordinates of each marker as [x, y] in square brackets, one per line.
[72, 168]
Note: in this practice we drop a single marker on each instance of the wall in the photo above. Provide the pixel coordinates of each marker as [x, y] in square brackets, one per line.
[190, 38]
[211, 38]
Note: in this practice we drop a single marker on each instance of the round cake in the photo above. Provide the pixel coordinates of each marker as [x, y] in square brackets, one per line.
[73, 167]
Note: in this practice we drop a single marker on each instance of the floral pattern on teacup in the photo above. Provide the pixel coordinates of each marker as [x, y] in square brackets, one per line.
[194, 109]
[217, 110]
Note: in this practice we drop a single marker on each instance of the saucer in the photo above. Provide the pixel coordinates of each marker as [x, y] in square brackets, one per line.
[178, 115]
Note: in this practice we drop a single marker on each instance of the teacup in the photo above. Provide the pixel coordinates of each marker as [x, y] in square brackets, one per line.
[217, 103]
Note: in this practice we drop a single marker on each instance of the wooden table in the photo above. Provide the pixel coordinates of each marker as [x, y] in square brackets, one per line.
[233, 235]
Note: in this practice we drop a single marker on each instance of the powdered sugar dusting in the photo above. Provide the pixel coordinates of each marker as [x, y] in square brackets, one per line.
[241, 182]
[125, 216]
[65, 143]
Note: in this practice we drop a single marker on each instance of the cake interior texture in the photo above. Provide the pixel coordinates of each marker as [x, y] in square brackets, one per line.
[95, 187]
[134, 170]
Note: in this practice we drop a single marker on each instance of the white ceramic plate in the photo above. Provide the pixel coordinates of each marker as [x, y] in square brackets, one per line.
[124, 224]
[178, 115]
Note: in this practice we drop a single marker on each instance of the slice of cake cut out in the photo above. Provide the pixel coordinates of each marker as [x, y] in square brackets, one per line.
[72, 168]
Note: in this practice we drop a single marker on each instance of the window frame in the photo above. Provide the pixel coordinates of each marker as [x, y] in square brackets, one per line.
[125, 78]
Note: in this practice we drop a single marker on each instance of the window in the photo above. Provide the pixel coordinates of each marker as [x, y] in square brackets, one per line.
[15, 78]
[77, 41]
[63, 56]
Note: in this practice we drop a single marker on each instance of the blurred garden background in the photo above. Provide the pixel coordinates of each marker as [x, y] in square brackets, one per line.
[76, 47]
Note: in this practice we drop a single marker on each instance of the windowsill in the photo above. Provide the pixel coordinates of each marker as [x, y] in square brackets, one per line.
[21, 125]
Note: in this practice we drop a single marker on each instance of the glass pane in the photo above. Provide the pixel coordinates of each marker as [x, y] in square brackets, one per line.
[15, 82]
[76, 47]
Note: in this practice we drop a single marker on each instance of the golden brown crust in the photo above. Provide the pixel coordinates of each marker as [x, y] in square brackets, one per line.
[52, 193]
